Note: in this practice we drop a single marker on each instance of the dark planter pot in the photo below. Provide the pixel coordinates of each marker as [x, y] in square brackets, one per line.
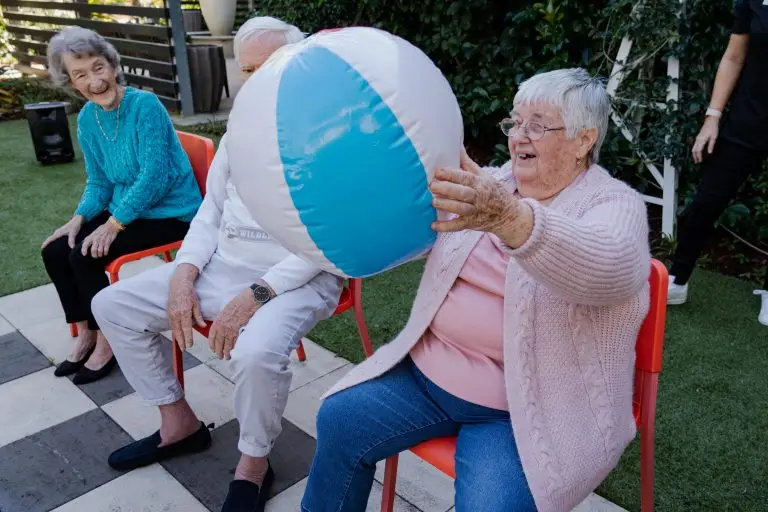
[207, 70]
[193, 20]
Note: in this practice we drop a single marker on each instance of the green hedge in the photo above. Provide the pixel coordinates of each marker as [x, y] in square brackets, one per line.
[487, 48]
[14, 93]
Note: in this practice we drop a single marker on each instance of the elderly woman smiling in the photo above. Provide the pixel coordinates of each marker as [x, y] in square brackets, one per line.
[521, 337]
[140, 190]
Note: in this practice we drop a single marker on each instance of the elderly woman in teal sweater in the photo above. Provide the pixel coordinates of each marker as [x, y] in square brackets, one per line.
[140, 190]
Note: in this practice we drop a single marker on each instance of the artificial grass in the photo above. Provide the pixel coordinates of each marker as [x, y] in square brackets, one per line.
[36, 199]
[713, 399]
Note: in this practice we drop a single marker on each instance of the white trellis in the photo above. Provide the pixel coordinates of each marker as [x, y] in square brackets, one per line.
[667, 177]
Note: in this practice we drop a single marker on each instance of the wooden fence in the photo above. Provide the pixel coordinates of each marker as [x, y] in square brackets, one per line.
[151, 40]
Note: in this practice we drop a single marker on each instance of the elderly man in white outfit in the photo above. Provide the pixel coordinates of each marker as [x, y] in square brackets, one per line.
[262, 300]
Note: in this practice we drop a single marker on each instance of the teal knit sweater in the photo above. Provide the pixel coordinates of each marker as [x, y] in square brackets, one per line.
[144, 173]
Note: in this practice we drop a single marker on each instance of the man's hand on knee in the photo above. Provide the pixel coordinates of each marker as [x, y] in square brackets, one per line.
[226, 327]
[184, 305]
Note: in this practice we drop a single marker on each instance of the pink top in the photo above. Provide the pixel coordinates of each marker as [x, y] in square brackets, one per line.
[462, 351]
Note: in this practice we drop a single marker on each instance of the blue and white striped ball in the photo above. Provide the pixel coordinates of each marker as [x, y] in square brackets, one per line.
[332, 144]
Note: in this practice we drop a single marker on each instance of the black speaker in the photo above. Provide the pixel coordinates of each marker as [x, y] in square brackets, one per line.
[49, 128]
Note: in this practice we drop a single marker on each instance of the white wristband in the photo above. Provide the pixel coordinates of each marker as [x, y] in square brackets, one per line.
[713, 112]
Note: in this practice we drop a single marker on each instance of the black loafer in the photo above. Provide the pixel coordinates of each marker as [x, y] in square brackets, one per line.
[245, 496]
[68, 367]
[86, 375]
[148, 450]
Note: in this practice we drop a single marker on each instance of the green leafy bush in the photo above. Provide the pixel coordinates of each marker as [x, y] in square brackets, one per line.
[14, 93]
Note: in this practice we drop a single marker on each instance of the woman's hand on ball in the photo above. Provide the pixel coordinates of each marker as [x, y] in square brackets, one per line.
[480, 203]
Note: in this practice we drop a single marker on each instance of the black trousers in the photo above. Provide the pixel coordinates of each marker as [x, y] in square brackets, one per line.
[79, 278]
[725, 172]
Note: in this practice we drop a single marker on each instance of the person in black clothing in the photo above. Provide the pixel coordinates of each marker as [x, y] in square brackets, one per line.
[733, 149]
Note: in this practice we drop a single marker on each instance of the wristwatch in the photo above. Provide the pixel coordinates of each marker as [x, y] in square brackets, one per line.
[261, 294]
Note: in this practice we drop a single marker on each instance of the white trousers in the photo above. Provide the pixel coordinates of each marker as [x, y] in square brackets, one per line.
[133, 312]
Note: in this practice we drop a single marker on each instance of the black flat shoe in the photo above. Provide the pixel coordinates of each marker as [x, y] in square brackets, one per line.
[68, 367]
[86, 375]
[148, 450]
[245, 496]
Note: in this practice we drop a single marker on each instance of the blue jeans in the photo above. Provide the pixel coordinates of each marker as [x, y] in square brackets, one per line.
[367, 423]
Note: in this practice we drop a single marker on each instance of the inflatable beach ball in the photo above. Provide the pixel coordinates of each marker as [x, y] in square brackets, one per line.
[332, 144]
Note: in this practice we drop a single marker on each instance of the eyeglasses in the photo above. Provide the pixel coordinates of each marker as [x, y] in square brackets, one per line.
[533, 130]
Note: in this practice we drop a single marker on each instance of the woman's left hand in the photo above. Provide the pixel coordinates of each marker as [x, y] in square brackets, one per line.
[481, 202]
[100, 240]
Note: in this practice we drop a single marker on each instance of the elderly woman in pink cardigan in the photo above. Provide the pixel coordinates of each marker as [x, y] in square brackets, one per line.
[521, 337]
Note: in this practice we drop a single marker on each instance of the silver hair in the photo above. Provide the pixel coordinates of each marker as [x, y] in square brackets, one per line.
[260, 25]
[80, 42]
[581, 98]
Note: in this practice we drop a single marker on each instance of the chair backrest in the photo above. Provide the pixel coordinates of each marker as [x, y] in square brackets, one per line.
[649, 347]
[650, 341]
[200, 151]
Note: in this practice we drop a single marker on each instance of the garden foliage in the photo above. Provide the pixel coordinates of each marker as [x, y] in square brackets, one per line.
[486, 49]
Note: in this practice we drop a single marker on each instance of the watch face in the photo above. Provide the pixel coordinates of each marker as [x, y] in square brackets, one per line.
[260, 293]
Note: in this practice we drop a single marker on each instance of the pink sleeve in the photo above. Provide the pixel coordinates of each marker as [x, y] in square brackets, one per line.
[600, 258]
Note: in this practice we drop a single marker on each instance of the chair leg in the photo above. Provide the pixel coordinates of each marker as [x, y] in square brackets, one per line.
[647, 440]
[300, 352]
[73, 330]
[178, 363]
[362, 327]
[390, 480]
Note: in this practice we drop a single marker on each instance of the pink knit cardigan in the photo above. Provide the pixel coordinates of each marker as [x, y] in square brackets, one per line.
[578, 292]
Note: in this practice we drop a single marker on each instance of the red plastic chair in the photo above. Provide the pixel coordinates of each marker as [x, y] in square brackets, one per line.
[351, 298]
[441, 452]
[200, 151]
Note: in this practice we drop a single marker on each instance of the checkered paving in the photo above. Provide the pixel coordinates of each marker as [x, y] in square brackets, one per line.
[55, 437]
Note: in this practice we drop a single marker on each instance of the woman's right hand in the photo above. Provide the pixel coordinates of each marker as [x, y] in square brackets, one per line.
[706, 138]
[184, 305]
[70, 230]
